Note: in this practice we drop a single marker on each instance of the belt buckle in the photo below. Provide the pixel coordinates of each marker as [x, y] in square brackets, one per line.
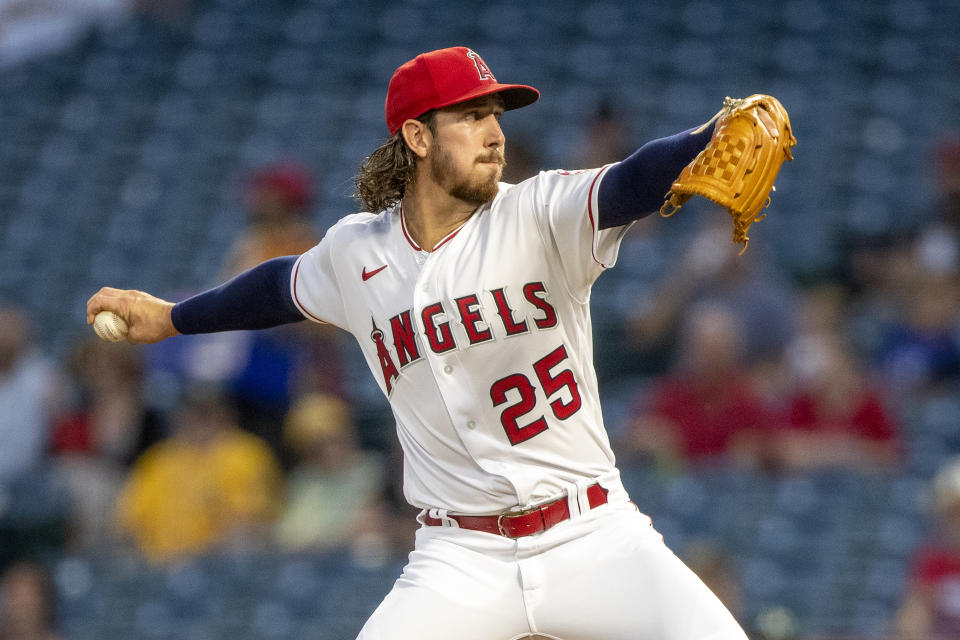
[500, 526]
[518, 513]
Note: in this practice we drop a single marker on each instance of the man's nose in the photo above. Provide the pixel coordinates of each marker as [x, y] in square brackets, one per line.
[495, 137]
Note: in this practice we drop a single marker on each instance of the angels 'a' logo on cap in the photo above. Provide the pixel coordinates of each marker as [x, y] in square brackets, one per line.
[482, 69]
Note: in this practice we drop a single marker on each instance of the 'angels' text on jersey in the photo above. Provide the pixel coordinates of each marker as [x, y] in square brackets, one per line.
[434, 323]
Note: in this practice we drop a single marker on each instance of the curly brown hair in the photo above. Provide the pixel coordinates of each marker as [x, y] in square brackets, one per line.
[384, 175]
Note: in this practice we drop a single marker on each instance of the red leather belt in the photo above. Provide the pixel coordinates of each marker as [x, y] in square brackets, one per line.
[524, 523]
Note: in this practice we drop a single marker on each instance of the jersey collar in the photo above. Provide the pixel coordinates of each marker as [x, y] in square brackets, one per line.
[416, 247]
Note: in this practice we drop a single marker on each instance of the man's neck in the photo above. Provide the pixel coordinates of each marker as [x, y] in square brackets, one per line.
[431, 214]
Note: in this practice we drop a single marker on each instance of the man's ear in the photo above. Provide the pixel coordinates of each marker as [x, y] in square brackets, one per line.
[418, 136]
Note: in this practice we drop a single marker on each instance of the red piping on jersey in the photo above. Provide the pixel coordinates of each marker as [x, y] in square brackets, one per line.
[296, 272]
[449, 237]
[593, 225]
[403, 226]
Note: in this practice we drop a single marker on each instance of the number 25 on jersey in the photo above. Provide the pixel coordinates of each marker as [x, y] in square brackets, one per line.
[551, 383]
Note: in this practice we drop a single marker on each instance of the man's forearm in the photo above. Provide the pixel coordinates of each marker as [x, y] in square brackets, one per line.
[635, 187]
[258, 298]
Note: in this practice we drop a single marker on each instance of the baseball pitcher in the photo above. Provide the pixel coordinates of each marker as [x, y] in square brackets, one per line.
[470, 301]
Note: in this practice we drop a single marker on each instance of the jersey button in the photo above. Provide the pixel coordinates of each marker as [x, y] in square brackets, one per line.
[448, 369]
[471, 424]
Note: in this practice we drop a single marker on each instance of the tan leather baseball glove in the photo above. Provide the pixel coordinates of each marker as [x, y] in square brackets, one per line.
[739, 164]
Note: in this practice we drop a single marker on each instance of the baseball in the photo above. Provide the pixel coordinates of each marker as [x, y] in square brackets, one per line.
[109, 326]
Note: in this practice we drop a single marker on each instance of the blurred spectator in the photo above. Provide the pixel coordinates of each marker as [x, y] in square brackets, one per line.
[707, 408]
[27, 604]
[835, 418]
[333, 491]
[712, 271]
[267, 369]
[906, 305]
[32, 500]
[821, 316]
[208, 485]
[919, 351]
[96, 441]
[834, 414]
[931, 605]
[109, 414]
[273, 366]
[29, 397]
[278, 199]
[264, 370]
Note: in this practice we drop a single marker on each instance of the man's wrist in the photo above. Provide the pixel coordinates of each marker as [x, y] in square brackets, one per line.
[171, 328]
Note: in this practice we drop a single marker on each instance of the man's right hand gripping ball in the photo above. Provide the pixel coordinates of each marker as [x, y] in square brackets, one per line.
[147, 316]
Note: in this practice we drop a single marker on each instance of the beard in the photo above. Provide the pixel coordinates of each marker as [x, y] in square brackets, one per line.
[474, 190]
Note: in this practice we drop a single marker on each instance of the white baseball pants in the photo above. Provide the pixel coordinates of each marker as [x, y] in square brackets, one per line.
[602, 575]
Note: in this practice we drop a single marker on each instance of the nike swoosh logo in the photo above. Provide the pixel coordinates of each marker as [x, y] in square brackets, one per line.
[366, 275]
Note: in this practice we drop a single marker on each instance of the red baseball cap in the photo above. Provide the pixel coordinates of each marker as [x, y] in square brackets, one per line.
[444, 77]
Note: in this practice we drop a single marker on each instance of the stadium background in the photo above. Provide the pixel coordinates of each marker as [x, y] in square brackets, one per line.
[124, 141]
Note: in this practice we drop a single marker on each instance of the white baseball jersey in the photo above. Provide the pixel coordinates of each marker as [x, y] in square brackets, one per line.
[483, 346]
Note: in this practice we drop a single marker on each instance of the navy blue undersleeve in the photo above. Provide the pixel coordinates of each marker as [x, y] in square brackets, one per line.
[258, 298]
[635, 187]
